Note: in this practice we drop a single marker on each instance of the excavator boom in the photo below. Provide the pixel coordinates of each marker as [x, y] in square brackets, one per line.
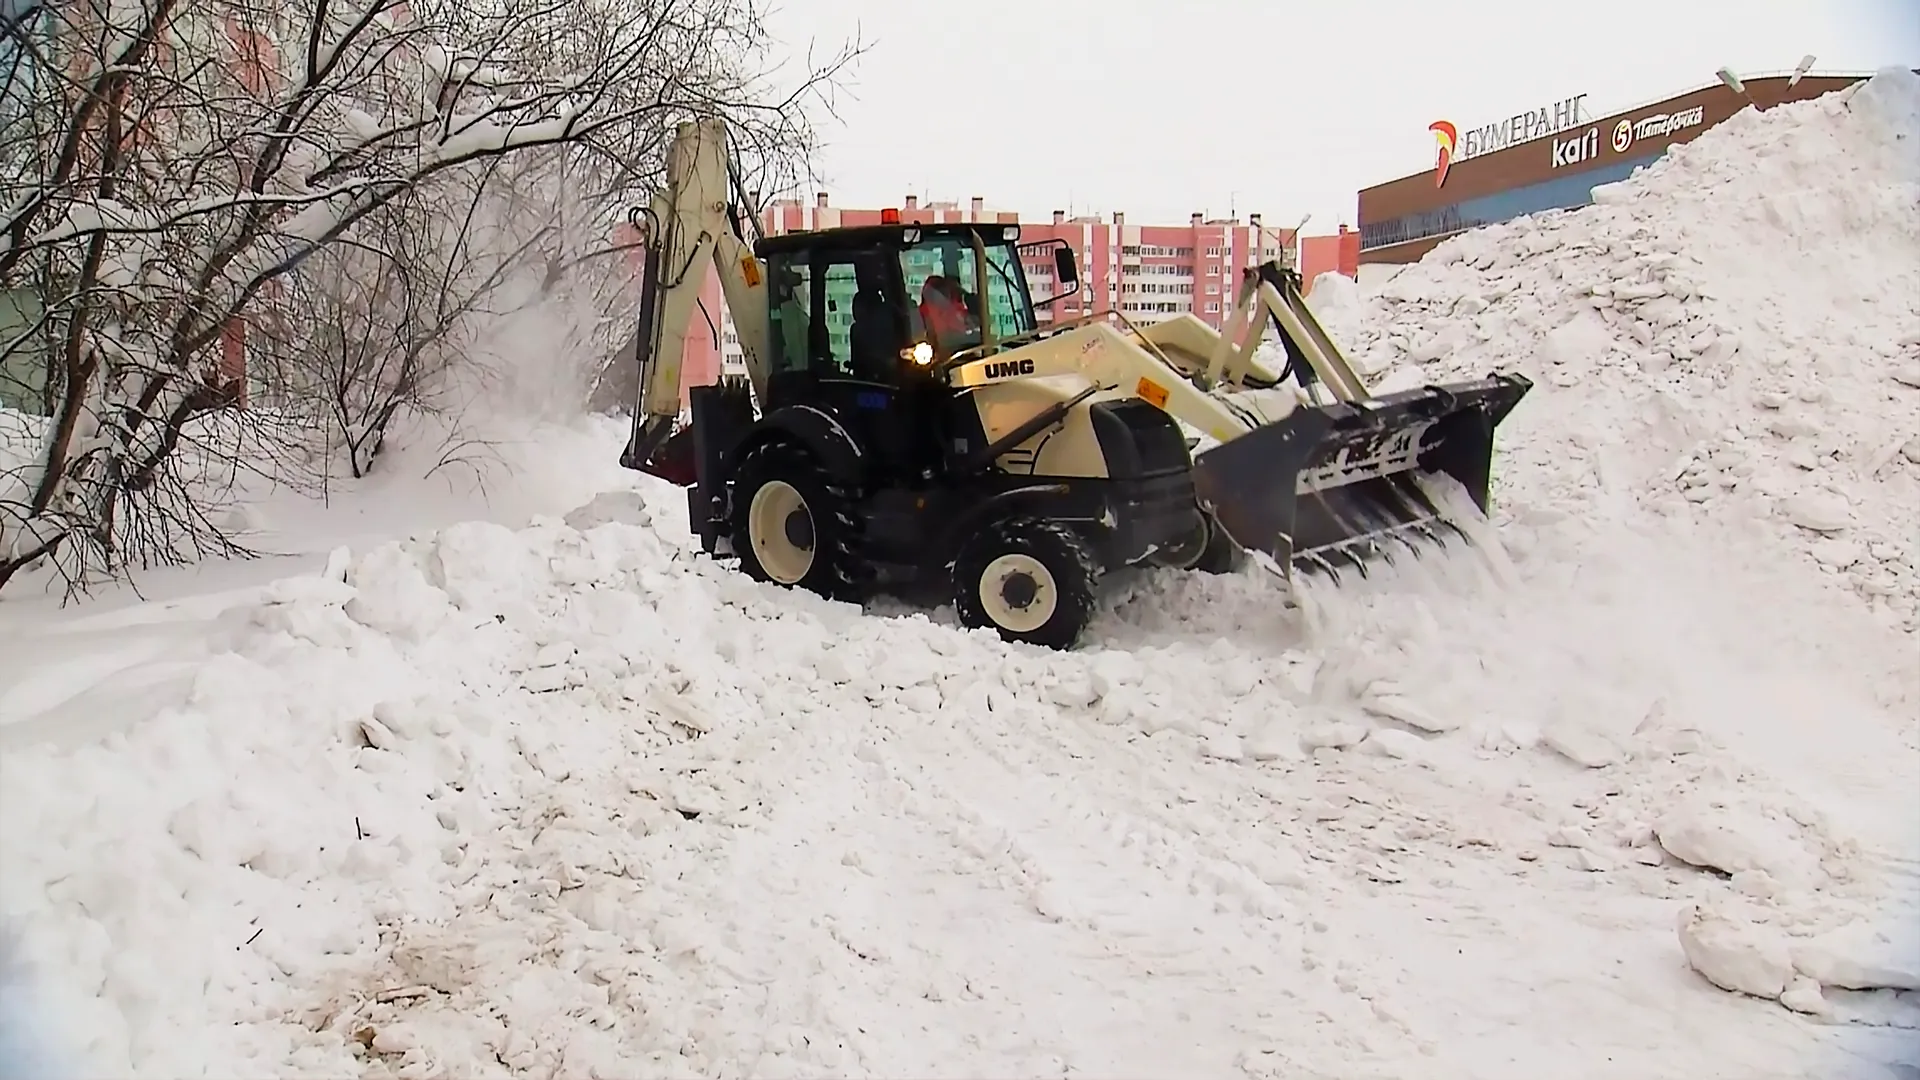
[687, 228]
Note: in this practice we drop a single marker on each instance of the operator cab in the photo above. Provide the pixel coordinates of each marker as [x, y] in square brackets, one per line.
[884, 304]
[861, 320]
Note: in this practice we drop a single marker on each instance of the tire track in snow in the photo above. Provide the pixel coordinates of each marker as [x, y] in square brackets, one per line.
[1097, 864]
[1505, 882]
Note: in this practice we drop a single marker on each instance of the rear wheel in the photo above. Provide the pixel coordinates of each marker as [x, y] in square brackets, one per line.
[789, 524]
[1030, 579]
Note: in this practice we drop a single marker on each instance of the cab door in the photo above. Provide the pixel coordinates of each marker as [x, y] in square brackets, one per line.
[864, 375]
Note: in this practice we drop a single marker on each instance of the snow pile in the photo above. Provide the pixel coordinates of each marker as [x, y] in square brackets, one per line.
[1729, 338]
[570, 801]
[486, 799]
[1726, 350]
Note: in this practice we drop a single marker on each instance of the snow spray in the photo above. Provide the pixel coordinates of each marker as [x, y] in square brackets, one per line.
[26, 1050]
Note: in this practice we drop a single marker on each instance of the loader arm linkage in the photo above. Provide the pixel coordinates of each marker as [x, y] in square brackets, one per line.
[1323, 466]
[1174, 364]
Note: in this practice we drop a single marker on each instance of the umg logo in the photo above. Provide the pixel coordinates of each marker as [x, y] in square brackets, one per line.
[1007, 369]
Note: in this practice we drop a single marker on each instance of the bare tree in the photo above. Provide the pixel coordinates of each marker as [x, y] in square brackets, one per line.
[196, 166]
[370, 326]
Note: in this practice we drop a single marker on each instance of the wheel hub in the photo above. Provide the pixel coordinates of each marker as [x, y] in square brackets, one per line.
[781, 529]
[799, 529]
[1019, 590]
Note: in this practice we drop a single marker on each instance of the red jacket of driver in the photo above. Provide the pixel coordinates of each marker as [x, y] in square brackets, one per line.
[944, 313]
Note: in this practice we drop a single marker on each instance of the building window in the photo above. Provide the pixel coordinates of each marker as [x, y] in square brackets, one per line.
[1213, 307]
[1560, 192]
[1213, 290]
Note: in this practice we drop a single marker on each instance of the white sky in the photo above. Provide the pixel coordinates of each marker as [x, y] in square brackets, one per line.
[1160, 108]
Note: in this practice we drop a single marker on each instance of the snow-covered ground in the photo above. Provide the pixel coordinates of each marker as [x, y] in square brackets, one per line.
[566, 801]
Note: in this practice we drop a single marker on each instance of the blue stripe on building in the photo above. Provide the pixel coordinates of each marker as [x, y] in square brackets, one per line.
[1559, 193]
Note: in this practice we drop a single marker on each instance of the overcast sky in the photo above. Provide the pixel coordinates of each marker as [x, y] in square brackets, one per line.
[1160, 108]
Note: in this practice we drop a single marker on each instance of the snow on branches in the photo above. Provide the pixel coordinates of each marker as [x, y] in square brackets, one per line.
[172, 172]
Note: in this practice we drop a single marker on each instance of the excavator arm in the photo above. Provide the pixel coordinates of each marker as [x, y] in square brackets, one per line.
[689, 226]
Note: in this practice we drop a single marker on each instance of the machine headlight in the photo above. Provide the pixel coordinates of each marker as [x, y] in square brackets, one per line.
[921, 353]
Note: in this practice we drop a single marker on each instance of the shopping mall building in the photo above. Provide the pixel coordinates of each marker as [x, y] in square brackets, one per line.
[1546, 158]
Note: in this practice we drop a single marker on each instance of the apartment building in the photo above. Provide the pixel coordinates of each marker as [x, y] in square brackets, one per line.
[220, 49]
[1145, 273]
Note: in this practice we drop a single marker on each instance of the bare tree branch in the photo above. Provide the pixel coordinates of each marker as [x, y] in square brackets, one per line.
[349, 213]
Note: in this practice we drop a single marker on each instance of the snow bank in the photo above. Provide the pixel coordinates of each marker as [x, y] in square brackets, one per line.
[1727, 356]
[1730, 338]
[459, 800]
[569, 798]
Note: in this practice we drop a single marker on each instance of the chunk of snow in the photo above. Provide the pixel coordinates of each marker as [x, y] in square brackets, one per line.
[1732, 841]
[1734, 954]
[1395, 707]
[1581, 745]
[1863, 957]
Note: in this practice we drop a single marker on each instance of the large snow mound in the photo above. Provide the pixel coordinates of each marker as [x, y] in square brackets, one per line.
[1731, 337]
[1726, 350]
[572, 801]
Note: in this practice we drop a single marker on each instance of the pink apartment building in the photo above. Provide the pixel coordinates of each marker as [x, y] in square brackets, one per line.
[1146, 272]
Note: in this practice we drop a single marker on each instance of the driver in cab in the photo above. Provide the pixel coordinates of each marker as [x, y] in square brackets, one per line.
[948, 318]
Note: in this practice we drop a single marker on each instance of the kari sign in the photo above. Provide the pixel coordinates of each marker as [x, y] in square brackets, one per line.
[1582, 147]
[1579, 148]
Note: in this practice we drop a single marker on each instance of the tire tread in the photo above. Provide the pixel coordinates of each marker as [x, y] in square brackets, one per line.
[782, 459]
[1078, 579]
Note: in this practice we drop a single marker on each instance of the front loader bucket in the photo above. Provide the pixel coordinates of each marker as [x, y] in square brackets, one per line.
[1336, 483]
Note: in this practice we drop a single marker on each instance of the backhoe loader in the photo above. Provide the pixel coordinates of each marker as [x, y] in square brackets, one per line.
[906, 419]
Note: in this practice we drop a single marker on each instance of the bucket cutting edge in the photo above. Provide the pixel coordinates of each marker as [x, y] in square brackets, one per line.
[1342, 477]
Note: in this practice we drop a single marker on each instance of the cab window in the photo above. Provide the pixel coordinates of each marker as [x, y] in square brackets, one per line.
[937, 265]
[1010, 309]
[951, 257]
[790, 303]
[841, 285]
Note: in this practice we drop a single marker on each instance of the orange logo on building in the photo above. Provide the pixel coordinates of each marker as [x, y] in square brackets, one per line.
[1447, 138]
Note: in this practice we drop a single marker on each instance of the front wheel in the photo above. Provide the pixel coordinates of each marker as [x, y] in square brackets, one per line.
[1221, 555]
[1030, 579]
[1207, 549]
